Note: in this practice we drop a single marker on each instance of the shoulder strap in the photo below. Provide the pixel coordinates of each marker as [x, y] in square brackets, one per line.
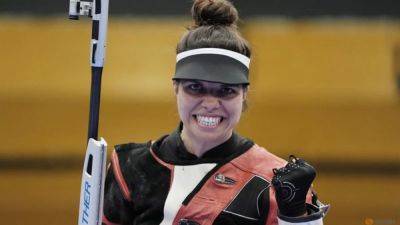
[262, 162]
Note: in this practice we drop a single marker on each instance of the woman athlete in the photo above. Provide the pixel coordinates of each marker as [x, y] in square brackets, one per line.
[204, 172]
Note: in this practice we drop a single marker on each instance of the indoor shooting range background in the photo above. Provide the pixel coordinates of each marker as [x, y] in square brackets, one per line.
[325, 85]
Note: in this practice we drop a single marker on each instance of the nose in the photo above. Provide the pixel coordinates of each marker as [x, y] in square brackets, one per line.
[210, 103]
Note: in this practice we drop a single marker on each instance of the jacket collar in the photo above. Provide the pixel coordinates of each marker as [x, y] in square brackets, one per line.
[171, 149]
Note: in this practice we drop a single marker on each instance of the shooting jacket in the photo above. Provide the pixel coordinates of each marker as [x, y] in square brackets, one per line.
[162, 183]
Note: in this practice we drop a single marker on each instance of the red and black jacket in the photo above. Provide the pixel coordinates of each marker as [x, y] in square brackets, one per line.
[162, 183]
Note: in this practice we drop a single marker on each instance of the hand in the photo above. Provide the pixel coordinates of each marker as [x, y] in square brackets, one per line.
[291, 184]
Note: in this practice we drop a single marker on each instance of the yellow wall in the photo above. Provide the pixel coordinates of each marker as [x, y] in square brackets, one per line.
[324, 90]
[327, 87]
[319, 88]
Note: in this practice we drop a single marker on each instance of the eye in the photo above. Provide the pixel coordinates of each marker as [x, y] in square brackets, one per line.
[228, 90]
[195, 87]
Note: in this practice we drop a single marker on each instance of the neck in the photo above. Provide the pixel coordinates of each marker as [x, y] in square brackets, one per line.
[200, 146]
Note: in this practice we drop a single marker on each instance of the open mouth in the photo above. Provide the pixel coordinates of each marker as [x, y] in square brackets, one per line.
[208, 121]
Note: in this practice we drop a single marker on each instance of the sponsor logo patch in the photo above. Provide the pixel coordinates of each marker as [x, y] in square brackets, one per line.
[222, 179]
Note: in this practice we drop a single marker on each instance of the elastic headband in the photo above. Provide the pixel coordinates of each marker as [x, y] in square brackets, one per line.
[214, 65]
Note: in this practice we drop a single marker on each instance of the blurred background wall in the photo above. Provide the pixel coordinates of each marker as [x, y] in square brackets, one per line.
[325, 82]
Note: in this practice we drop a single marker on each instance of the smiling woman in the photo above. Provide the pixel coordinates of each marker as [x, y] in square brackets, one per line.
[209, 113]
[204, 172]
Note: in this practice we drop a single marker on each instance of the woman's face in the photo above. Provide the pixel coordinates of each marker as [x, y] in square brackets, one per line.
[209, 111]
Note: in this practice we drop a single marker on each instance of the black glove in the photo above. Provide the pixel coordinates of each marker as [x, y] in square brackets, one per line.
[291, 184]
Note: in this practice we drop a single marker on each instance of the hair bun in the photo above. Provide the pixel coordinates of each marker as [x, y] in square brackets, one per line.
[214, 12]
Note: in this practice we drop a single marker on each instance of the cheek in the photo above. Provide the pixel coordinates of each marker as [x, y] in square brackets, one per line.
[235, 111]
[181, 107]
[185, 106]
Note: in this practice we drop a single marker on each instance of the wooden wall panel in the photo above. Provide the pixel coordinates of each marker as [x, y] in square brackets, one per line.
[321, 89]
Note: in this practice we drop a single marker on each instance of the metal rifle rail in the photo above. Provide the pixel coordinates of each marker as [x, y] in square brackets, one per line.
[93, 174]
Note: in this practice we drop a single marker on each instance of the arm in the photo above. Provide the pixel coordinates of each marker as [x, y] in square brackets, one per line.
[112, 200]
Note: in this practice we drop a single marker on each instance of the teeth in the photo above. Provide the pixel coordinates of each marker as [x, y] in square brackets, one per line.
[208, 121]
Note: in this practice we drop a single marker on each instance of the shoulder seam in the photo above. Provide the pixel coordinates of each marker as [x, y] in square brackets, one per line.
[130, 146]
[160, 161]
[119, 176]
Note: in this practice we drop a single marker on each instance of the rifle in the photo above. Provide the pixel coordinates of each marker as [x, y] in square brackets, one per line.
[93, 174]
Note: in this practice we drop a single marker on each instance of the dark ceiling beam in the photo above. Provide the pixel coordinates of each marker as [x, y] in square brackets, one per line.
[281, 8]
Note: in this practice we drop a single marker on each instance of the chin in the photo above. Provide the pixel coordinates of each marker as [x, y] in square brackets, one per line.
[209, 136]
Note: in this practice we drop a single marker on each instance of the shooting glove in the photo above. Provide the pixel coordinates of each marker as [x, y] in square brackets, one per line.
[291, 184]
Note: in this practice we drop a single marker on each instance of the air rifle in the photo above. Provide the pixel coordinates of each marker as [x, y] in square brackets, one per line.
[93, 174]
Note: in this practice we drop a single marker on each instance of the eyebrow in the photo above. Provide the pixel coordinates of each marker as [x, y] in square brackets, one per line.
[221, 84]
[231, 85]
[191, 81]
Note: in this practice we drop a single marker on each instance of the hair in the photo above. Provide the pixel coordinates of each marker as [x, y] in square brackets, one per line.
[215, 26]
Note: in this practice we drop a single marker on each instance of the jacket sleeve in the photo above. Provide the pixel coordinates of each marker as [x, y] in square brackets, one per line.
[314, 217]
[117, 207]
[315, 212]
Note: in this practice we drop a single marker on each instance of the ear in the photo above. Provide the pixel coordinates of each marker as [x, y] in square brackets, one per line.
[176, 86]
[245, 90]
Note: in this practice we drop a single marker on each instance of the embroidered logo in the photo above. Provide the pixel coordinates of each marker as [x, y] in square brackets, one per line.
[221, 179]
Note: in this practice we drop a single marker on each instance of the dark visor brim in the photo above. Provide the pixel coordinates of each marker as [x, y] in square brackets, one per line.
[212, 68]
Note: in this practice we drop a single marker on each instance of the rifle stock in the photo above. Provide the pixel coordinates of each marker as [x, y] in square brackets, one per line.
[92, 187]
